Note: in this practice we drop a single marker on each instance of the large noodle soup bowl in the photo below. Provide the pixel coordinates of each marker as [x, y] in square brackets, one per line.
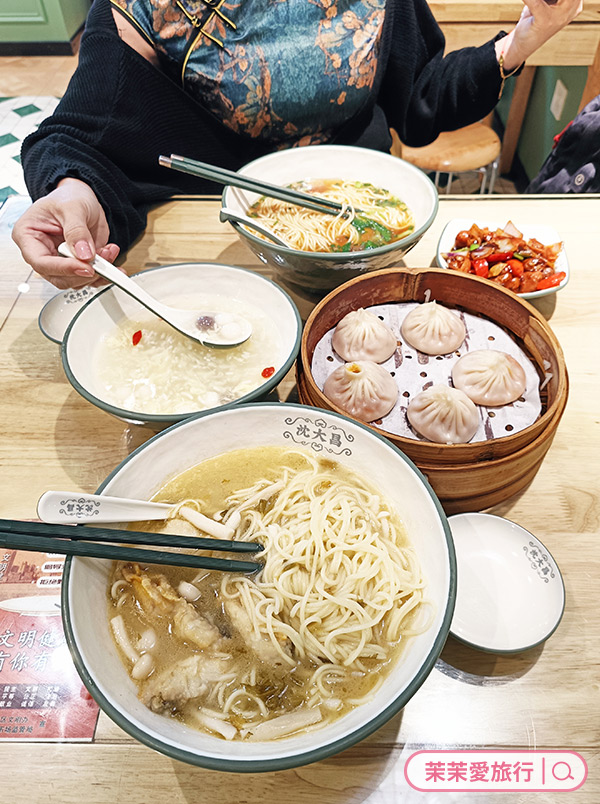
[319, 272]
[145, 471]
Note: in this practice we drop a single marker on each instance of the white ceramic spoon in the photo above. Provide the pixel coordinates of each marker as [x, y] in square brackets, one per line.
[74, 508]
[208, 328]
[227, 214]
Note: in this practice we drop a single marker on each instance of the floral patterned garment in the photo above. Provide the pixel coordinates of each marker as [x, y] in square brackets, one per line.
[285, 64]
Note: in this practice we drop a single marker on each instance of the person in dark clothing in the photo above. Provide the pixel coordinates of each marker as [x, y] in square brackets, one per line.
[228, 82]
[573, 165]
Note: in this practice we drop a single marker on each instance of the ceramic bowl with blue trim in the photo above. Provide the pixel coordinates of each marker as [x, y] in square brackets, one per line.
[91, 368]
[319, 272]
[183, 446]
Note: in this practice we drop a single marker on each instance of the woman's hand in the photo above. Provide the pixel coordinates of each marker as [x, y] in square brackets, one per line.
[539, 21]
[70, 213]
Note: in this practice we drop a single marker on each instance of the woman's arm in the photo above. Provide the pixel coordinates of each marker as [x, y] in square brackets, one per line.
[80, 194]
[539, 21]
[101, 126]
[71, 211]
[425, 91]
[91, 168]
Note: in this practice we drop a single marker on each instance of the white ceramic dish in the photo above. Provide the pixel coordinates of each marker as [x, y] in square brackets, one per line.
[57, 314]
[33, 606]
[545, 234]
[101, 314]
[510, 594]
[317, 272]
[186, 444]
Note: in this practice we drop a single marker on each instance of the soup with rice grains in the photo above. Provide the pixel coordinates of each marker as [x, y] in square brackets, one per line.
[147, 366]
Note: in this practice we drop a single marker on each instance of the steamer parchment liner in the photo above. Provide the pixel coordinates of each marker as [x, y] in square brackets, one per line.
[415, 371]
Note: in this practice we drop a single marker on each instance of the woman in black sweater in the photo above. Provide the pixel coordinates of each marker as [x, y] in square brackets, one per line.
[226, 82]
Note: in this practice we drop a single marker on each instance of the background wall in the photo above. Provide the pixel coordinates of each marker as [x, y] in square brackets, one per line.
[33, 22]
[540, 126]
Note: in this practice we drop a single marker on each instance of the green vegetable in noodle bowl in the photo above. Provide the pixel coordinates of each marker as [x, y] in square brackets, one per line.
[371, 217]
[306, 640]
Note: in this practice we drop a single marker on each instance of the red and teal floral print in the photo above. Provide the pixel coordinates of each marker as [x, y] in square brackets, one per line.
[268, 68]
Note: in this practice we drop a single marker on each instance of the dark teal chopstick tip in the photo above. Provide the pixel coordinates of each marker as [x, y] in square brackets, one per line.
[223, 176]
[84, 533]
[88, 542]
[20, 541]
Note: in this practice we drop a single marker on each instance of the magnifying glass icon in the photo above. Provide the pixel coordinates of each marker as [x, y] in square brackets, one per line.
[562, 778]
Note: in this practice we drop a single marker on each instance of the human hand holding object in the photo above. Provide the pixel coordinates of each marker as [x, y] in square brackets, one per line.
[540, 20]
[71, 212]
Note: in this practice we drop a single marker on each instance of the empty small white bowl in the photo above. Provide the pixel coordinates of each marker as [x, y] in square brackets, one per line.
[56, 315]
[510, 595]
[99, 316]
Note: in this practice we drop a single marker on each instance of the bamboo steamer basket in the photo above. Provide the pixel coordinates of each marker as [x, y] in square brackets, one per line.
[465, 477]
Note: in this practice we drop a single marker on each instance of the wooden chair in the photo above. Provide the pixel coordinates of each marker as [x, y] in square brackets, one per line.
[472, 148]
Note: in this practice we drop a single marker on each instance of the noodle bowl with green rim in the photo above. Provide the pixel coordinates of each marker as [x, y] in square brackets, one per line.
[317, 272]
[187, 444]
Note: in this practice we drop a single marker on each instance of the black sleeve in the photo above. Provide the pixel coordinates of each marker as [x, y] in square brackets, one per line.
[423, 92]
[73, 141]
[118, 115]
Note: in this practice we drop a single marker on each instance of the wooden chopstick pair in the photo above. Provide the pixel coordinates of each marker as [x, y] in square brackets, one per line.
[78, 540]
[222, 176]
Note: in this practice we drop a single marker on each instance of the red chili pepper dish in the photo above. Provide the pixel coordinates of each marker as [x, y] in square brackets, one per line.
[506, 257]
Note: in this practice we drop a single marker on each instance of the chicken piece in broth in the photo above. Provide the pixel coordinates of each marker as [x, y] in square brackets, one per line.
[259, 643]
[186, 680]
[157, 598]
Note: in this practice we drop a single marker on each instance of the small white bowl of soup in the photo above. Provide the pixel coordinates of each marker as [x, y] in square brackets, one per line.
[132, 364]
[398, 197]
[303, 659]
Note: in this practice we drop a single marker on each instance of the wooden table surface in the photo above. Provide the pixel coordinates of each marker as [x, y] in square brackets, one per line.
[548, 697]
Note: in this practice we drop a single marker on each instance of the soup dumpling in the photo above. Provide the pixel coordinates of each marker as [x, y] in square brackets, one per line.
[489, 377]
[361, 335]
[433, 329]
[363, 389]
[444, 415]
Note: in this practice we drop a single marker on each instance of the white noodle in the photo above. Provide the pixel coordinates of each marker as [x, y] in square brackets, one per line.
[147, 641]
[234, 704]
[117, 588]
[307, 230]
[143, 667]
[121, 638]
[334, 571]
[206, 524]
[188, 591]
